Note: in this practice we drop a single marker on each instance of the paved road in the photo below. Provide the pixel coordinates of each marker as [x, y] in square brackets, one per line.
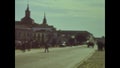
[66, 57]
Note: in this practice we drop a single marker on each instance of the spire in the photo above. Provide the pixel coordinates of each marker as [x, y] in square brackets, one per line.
[44, 15]
[27, 12]
[44, 20]
[28, 5]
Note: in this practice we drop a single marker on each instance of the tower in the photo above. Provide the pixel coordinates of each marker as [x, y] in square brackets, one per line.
[27, 19]
[27, 12]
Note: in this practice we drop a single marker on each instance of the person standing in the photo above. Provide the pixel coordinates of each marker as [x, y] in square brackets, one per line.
[44, 43]
[46, 48]
[100, 45]
[23, 46]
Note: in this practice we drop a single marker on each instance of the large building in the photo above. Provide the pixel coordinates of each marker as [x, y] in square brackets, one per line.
[26, 29]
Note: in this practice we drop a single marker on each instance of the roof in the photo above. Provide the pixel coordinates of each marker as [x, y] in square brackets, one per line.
[21, 27]
[72, 31]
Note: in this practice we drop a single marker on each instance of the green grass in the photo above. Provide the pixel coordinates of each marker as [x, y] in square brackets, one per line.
[97, 60]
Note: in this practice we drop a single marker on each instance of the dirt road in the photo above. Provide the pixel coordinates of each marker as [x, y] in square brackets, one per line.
[66, 57]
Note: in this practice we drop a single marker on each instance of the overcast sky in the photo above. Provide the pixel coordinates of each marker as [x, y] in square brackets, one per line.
[66, 14]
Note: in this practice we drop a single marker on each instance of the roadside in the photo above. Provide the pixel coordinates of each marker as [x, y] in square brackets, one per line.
[97, 60]
[19, 52]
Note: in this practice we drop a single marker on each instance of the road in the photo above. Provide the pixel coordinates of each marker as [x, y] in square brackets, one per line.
[66, 57]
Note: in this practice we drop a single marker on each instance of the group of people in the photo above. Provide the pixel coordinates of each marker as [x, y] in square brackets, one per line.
[27, 45]
[23, 45]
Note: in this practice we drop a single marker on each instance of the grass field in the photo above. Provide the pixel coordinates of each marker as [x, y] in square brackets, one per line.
[97, 60]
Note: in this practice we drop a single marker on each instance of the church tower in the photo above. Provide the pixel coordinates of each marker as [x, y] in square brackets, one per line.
[27, 12]
[27, 19]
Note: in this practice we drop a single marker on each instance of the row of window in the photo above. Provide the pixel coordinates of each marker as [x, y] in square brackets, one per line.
[29, 35]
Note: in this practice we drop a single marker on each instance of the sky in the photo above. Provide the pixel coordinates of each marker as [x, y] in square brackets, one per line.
[83, 15]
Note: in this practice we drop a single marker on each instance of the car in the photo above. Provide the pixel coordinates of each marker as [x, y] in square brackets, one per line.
[63, 44]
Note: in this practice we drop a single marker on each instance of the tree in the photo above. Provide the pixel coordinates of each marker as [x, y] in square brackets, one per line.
[82, 37]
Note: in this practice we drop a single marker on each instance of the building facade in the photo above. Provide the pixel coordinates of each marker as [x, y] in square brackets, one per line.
[26, 29]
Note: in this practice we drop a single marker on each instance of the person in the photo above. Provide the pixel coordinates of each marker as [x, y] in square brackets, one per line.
[46, 47]
[23, 46]
[29, 45]
[100, 45]
[46, 44]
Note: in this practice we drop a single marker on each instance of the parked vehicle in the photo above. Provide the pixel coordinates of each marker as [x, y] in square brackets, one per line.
[63, 44]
